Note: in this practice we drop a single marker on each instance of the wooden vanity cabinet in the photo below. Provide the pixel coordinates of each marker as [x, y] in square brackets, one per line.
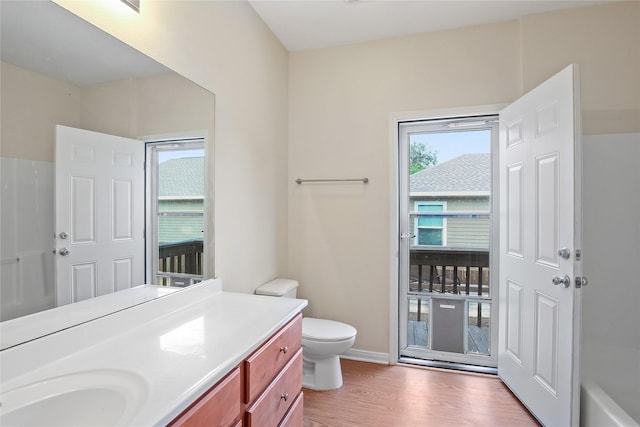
[295, 416]
[219, 407]
[273, 378]
[265, 390]
[268, 360]
[272, 405]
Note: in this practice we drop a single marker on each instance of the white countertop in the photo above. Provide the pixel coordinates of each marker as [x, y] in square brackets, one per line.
[22, 329]
[172, 348]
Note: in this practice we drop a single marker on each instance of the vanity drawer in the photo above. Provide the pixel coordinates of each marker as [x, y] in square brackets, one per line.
[274, 403]
[220, 406]
[268, 360]
[295, 416]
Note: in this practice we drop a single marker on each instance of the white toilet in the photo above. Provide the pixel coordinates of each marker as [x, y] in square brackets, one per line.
[322, 341]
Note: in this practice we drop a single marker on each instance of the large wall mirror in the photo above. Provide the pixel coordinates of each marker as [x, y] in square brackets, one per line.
[57, 69]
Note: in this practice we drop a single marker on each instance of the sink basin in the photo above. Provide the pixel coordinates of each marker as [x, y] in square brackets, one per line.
[89, 398]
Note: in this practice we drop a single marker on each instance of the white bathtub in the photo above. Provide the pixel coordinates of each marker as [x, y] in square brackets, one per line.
[597, 409]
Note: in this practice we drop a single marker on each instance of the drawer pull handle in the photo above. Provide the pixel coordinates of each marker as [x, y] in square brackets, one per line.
[284, 349]
[284, 396]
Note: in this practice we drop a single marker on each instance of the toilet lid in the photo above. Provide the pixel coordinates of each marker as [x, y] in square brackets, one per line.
[326, 330]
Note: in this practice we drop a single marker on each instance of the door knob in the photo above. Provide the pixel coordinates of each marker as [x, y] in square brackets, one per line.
[564, 280]
[64, 251]
[564, 253]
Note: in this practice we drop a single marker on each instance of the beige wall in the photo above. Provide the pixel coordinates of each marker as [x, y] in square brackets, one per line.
[135, 108]
[605, 41]
[226, 48]
[340, 104]
[32, 105]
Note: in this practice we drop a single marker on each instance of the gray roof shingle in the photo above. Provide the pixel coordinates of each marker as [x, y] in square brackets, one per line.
[182, 177]
[467, 172]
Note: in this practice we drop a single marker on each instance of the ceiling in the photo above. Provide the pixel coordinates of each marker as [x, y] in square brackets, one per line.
[312, 24]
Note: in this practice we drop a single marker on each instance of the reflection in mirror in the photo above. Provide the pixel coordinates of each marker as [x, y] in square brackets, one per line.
[57, 69]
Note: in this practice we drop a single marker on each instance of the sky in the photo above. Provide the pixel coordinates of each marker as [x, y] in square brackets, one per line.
[163, 155]
[454, 143]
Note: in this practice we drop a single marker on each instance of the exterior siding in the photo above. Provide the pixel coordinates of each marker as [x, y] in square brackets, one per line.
[463, 232]
[181, 228]
[468, 233]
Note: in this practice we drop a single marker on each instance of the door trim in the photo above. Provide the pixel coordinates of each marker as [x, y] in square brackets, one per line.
[394, 218]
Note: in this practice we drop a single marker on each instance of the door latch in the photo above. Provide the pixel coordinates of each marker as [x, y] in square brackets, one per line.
[581, 281]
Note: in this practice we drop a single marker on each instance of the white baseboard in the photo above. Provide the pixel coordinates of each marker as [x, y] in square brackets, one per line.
[366, 356]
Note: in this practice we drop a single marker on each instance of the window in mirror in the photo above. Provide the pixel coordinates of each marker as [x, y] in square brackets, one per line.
[176, 213]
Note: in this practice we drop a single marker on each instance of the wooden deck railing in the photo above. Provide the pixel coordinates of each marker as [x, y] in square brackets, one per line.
[184, 257]
[452, 271]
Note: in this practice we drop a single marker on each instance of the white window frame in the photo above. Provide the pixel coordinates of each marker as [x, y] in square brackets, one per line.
[416, 227]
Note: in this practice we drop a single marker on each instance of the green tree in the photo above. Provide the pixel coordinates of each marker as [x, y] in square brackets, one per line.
[420, 158]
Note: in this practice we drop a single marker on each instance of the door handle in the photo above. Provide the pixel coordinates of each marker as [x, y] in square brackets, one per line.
[63, 251]
[407, 236]
[564, 280]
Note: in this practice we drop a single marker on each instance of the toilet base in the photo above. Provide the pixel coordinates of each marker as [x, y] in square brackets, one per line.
[325, 374]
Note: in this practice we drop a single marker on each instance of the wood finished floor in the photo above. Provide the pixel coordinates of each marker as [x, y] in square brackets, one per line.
[385, 396]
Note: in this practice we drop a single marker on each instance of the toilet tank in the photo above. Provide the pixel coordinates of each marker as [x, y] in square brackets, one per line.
[279, 288]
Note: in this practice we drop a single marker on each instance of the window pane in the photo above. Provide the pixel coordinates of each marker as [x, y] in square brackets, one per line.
[429, 222]
[418, 322]
[430, 236]
[478, 328]
[180, 212]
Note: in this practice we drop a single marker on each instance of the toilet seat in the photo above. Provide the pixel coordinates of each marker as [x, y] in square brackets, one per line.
[324, 330]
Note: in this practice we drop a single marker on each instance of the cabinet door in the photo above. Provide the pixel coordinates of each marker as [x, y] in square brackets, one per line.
[219, 407]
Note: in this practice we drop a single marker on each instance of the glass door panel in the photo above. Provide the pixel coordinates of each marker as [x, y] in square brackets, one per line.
[445, 253]
[176, 180]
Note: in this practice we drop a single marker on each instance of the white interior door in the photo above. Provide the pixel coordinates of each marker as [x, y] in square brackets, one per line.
[99, 199]
[540, 210]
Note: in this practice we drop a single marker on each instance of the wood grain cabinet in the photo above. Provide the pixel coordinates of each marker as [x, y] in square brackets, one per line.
[273, 378]
[265, 390]
[219, 407]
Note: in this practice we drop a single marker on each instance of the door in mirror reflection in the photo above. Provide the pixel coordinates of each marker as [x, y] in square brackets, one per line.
[99, 203]
[176, 207]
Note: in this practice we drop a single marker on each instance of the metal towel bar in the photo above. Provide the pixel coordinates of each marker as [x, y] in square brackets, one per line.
[364, 180]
